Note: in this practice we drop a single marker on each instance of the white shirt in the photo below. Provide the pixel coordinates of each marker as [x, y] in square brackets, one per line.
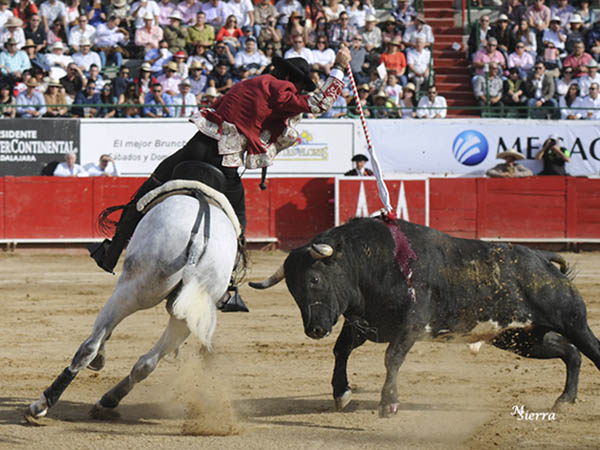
[77, 33]
[240, 10]
[96, 171]
[324, 58]
[53, 11]
[411, 34]
[151, 6]
[304, 53]
[567, 111]
[420, 61]
[191, 105]
[286, 8]
[424, 111]
[4, 15]
[589, 102]
[87, 60]
[62, 170]
[243, 59]
[585, 82]
[18, 35]
[358, 16]
[108, 37]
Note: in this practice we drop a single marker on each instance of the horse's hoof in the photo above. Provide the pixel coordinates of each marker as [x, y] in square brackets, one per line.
[36, 410]
[342, 401]
[98, 362]
[32, 419]
[387, 411]
[99, 412]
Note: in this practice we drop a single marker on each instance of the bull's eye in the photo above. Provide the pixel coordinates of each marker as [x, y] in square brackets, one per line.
[314, 281]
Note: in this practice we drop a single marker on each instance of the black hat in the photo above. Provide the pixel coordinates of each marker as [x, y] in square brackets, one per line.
[298, 68]
[359, 157]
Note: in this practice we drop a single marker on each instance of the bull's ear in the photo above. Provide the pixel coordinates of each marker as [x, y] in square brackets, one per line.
[320, 251]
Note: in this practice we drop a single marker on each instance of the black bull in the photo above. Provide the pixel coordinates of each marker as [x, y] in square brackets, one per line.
[511, 296]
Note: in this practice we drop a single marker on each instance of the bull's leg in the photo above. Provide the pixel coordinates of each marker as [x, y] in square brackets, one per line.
[394, 357]
[544, 344]
[349, 339]
[118, 306]
[176, 333]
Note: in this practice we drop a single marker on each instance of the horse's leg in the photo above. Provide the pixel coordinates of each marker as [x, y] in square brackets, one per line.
[176, 333]
[120, 305]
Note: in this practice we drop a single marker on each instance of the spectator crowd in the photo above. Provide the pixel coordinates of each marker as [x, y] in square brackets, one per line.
[538, 60]
[115, 58]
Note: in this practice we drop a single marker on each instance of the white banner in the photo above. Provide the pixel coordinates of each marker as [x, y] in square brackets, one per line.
[469, 146]
[325, 147]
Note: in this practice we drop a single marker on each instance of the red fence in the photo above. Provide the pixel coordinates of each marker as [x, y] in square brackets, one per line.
[294, 209]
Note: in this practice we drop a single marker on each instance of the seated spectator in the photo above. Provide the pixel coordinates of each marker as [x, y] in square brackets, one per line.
[587, 15]
[333, 10]
[503, 34]
[341, 32]
[109, 101]
[94, 75]
[564, 12]
[551, 59]
[394, 60]
[188, 9]
[182, 68]
[487, 55]
[521, 60]
[55, 100]
[578, 60]
[575, 34]
[57, 62]
[216, 12]
[30, 102]
[97, 13]
[157, 103]
[591, 102]
[569, 103]
[478, 35]
[185, 103]
[209, 97]
[131, 98]
[265, 10]
[69, 168]
[382, 106]
[56, 34]
[538, 15]
[509, 168]
[568, 78]
[175, 33]
[149, 35]
[200, 32]
[403, 13]
[36, 59]
[200, 56]
[323, 56]
[270, 35]
[158, 57]
[357, 13]
[229, 34]
[13, 29]
[13, 62]
[73, 82]
[514, 9]
[539, 90]
[142, 9]
[36, 33]
[554, 35]
[432, 106]
[298, 50]
[359, 64]
[82, 30]
[407, 104]
[488, 90]
[106, 167]
[110, 40]
[418, 29]
[170, 79]
[198, 79]
[248, 34]
[389, 32]
[513, 91]
[592, 76]
[522, 33]
[87, 97]
[251, 58]
[554, 156]
[8, 109]
[359, 170]
[364, 98]
[220, 78]
[418, 60]
[122, 81]
[393, 89]
[294, 28]
[121, 10]
[145, 80]
[371, 34]
[85, 57]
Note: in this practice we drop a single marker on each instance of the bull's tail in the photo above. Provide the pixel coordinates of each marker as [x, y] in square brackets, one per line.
[563, 265]
[194, 305]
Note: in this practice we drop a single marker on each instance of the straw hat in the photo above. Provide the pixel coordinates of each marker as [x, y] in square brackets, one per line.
[146, 67]
[371, 18]
[84, 41]
[28, 43]
[148, 16]
[410, 86]
[14, 22]
[381, 94]
[196, 65]
[364, 87]
[11, 41]
[420, 18]
[54, 82]
[58, 45]
[397, 41]
[31, 82]
[171, 65]
[211, 92]
[119, 3]
[510, 153]
[185, 83]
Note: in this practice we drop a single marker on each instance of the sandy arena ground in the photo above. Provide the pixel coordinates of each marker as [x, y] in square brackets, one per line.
[266, 386]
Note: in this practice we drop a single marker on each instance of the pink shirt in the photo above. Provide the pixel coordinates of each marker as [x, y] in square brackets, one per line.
[524, 62]
[482, 56]
[543, 15]
[148, 39]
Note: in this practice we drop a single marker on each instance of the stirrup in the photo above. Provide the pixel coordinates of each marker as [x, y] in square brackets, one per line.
[98, 254]
[232, 303]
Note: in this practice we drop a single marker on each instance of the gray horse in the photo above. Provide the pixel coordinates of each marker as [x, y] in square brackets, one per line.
[164, 261]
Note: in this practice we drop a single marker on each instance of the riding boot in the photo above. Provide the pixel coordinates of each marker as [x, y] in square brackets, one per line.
[232, 301]
[106, 254]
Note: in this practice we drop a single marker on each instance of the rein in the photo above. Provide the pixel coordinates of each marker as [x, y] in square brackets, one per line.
[193, 255]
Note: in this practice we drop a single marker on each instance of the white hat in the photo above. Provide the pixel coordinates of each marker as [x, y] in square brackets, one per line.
[59, 45]
[148, 16]
[502, 17]
[555, 19]
[575, 18]
[370, 18]
[84, 41]
[510, 153]
[176, 15]
[211, 91]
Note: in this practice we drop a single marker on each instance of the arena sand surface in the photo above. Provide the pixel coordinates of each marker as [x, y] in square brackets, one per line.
[267, 386]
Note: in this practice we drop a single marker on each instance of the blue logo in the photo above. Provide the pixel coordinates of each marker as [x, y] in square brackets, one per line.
[470, 147]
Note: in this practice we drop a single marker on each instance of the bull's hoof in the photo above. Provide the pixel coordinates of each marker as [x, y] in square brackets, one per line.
[387, 411]
[98, 362]
[562, 404]
[99, 412]
[343, 401]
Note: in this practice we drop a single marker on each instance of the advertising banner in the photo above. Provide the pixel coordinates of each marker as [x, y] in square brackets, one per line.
[137, 146]
[27, 145]
[359, 197]
[468, 147]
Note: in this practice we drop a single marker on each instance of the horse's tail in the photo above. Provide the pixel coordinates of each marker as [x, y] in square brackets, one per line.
[193, 304]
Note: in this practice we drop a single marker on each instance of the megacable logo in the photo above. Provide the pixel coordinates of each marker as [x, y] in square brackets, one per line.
[470, 147]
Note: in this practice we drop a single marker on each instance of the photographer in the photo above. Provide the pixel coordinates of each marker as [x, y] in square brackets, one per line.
[554, 156]
[269, 34]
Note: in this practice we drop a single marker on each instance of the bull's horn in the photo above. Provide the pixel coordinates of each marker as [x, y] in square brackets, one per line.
[271, 281]
[320, 251]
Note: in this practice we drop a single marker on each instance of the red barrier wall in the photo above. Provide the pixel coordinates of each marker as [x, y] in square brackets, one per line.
[295, 209]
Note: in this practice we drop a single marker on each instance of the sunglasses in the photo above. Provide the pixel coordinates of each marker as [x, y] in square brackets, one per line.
[539, 67]
[157, 91]
[592, 88]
